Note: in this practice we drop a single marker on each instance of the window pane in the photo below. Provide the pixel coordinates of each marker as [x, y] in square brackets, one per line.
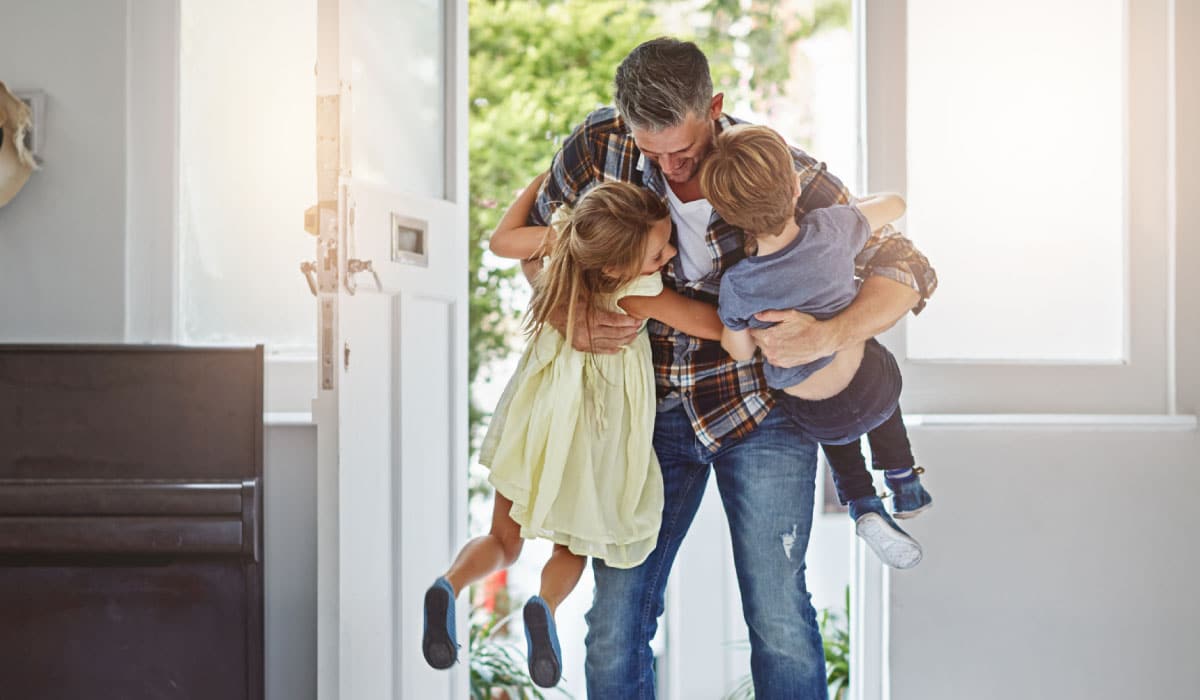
[1015, 177]
[397, 93]
[247, 171]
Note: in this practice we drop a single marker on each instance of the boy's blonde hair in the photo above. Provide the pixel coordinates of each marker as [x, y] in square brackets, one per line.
[599, 249]
[749, 178]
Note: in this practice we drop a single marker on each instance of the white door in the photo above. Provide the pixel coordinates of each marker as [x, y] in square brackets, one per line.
[392, 410]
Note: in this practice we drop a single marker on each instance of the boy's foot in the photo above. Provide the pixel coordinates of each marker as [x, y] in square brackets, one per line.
[541, 637]
[892, 545]
[909, 497]
[438, 641]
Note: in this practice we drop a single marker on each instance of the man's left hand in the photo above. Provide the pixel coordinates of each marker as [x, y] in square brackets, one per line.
[796, 338]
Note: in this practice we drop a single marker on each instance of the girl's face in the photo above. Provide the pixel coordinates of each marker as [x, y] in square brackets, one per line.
[659, 250]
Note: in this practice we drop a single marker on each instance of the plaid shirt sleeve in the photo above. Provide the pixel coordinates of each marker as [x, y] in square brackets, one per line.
[571, 172]
[887, 253]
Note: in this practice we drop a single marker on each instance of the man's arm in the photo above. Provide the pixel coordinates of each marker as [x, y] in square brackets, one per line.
[798, 338]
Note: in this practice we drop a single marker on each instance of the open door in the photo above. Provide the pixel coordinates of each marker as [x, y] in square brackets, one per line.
[391, 278]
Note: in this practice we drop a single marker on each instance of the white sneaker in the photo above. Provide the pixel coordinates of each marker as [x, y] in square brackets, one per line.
[892, 545]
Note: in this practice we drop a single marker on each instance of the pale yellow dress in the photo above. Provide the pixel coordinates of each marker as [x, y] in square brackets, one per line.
[570, 444]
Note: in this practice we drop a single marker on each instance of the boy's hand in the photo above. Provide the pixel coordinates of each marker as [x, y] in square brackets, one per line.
[796, 338]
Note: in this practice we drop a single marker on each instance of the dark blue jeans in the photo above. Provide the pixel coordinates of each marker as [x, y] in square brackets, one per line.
[869, 405]
[766, 481]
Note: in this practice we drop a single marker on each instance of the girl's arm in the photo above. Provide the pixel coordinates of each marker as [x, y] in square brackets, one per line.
[512, 238]
[691, 316]
[739, 344]
[881, 209]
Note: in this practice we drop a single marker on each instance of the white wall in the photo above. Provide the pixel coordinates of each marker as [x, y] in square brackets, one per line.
[1058, 564]
[62, 240]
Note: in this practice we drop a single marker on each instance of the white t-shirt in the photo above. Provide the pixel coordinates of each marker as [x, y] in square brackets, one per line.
[691, 224]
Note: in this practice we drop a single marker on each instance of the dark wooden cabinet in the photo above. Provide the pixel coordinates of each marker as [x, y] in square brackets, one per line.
[131, 523]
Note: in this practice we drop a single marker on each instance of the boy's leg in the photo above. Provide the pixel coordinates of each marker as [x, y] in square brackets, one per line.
[767, 483]
[628, 602]
[890, 448]
[849, 471]
[891, 451]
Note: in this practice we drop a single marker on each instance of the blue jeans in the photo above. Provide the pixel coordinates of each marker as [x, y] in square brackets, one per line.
[766, 481]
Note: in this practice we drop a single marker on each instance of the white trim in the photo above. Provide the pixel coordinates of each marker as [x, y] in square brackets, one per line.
[1053, 420]
[296, 419]
[457, 190]
[151, 174]
[869, 604]
[1172, 368]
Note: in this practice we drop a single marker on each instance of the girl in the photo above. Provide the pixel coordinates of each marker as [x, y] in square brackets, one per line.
[569, 446]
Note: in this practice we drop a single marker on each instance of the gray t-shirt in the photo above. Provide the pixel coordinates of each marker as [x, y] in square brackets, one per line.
[813, 274]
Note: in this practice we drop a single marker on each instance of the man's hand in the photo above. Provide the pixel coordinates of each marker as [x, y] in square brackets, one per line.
[796, 339]
[610, 331]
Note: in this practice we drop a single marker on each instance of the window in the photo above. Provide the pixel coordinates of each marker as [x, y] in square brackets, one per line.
[1042, 308]
[247, 172]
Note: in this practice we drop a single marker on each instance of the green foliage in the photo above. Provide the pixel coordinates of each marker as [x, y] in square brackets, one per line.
[537, 67]
[765, 33]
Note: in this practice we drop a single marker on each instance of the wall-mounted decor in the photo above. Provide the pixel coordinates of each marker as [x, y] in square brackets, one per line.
[16, 159]
[35, 135]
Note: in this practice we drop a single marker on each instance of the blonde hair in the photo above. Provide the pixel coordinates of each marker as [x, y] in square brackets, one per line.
[748, 178]
[600, 248]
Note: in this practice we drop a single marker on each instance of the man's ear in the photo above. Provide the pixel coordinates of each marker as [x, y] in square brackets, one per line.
[718, 102]
[797, 188]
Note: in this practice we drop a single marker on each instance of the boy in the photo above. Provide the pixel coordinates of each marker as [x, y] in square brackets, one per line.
[808, 265]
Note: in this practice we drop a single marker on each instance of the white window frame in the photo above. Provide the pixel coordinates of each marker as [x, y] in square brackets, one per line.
[1144, 382]
[152, 303]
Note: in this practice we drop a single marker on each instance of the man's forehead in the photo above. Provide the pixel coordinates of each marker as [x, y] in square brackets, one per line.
[673, 138]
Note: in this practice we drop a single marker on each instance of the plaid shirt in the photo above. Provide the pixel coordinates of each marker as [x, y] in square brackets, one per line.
[723, 398]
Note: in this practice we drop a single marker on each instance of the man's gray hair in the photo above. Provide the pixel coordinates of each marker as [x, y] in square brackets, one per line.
[661, 82]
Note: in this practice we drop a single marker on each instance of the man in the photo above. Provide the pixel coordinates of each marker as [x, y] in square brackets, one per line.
[715, 414]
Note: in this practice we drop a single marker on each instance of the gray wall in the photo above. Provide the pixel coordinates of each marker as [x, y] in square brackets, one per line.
[1059, 564]
[62, 240]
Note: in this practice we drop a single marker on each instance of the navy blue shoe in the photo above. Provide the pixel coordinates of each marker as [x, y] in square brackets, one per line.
[438, 641]
[909, 497]
[892, 545]
[541, 638]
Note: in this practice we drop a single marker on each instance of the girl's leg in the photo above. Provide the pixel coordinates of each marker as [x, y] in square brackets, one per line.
[491, 552]
[560, 575]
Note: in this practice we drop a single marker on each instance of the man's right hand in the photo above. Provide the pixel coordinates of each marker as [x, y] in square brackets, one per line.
[610, 331]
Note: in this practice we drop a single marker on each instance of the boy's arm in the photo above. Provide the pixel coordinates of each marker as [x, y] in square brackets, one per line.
[739, 344]
[512, 237]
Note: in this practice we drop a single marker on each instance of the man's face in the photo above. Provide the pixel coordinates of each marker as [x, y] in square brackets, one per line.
[677, 150]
